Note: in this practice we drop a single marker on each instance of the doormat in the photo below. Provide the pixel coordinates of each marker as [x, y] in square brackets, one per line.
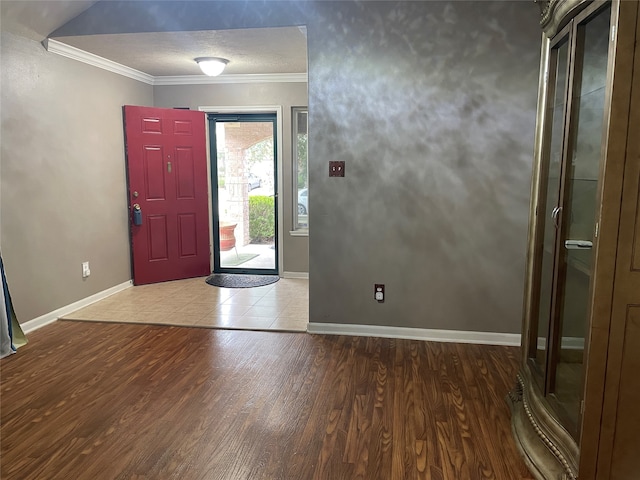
[235, 260]
[232, 280]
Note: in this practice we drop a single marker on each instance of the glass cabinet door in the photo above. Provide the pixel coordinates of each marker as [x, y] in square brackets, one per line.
[558, 75]
[579, 214]
[567, 210]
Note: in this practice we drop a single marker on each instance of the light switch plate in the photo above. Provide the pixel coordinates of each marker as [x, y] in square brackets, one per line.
[336, 168]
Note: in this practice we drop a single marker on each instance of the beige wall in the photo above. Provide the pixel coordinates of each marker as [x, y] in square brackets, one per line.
[63, 196]
[295, 249]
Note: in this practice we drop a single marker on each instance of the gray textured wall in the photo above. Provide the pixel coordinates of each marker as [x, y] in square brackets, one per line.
[63, 176]
[295, 249]
[432, 106]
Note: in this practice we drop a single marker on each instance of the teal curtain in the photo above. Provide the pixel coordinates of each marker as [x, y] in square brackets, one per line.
[11, 334]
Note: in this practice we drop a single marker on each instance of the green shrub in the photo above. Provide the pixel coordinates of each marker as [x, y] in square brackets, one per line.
[262, 227]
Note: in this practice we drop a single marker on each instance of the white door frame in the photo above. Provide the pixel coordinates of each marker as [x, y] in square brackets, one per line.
[277, 109]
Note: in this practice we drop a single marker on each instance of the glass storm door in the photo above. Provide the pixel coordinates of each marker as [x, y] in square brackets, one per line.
[245, 192]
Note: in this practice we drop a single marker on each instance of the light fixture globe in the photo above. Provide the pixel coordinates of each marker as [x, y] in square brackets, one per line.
[212, 66]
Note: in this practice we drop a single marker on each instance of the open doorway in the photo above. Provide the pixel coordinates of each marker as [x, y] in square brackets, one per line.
[244, 192]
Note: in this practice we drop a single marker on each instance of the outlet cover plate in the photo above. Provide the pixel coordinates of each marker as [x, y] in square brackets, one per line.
[336, 168]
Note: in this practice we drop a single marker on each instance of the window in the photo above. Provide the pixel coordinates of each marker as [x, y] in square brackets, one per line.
[300, 168]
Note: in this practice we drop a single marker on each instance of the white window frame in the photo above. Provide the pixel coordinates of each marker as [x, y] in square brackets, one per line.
[297, 228]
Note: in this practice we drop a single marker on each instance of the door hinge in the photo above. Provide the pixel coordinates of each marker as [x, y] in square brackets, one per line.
[581, 407]
[597, 229]
[613, 33]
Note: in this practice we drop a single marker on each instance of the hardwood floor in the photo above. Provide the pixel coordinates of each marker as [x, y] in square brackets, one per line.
[122, 401]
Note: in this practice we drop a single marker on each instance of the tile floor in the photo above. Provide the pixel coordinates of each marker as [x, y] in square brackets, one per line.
[283, 305]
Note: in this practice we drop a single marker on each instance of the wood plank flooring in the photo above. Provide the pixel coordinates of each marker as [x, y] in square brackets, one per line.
[121, 401]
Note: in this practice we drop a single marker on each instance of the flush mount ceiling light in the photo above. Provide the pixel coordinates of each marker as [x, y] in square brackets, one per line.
[211, 66]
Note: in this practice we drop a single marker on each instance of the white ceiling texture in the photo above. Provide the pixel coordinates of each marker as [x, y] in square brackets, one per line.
[255, 51]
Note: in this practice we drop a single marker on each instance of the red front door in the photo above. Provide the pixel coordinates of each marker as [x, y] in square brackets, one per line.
[167, 172]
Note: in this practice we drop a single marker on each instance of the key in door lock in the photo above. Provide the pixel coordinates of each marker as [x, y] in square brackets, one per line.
[137, 215]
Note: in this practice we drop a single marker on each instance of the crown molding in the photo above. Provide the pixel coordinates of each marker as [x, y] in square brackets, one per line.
[59, 48]
[253, 78]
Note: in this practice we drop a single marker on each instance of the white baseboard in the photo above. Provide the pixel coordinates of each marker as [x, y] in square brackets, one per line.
[295, 275]
[51, 317]
[456, 336]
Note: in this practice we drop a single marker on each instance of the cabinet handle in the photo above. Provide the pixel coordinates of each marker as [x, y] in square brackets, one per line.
[555, 215]
[577, 244]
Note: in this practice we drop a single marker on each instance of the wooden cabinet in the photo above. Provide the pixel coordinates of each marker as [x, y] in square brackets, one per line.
[577, 400]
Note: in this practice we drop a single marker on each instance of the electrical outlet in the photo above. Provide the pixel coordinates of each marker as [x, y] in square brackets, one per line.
[336, 168]
[378, 292]
[85, 270]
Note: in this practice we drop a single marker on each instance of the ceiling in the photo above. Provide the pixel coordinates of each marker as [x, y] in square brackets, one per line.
[281, 50]
[249, 51]
[35, 19]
